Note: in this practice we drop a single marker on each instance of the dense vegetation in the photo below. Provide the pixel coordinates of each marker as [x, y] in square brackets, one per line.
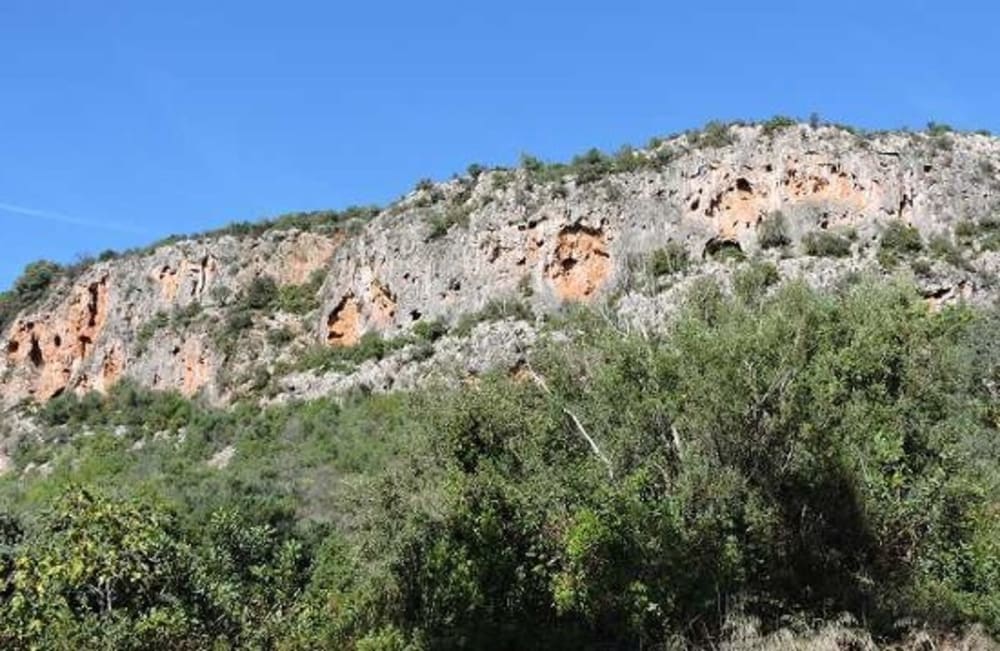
[782, 454]
[29, 288]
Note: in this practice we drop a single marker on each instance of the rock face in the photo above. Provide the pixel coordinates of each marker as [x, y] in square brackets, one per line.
[88, 334]
[160, 318]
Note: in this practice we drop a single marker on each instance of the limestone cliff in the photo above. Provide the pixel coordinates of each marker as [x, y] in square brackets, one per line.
[175, 317]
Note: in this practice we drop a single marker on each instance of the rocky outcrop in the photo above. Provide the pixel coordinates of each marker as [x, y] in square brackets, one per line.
[87, 335]
[450, 250]
[580, 265]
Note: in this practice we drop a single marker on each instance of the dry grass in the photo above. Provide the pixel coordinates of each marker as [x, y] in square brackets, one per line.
[744, 634]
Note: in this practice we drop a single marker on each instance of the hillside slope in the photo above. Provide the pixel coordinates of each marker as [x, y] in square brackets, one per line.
[738, 390]
[202, 316]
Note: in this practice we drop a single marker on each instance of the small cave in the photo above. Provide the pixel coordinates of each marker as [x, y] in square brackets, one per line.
[937, 294]
[35, 354]
[928, 168]
[344, 322]
[906, 201]
[713, 205]
[85, 343]
[721, 248]
[769, 168]
[57, 341]
[415, 315]
[695, 204]
[743, 185]
[92, 304]
[13, 346]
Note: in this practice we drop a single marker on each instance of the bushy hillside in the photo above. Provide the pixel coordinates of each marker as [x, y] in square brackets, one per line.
[784, 456]
[736, 389]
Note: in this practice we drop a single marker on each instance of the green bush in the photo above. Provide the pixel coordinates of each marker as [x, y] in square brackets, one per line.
[29, 289]
[751, 281]
[672, 258]
[431, 330]
[772, 231]
[782, 455]
[495, 310]
[714, 135]
[826, 244]
[776, 124]
[943, 248]
[899, 240]
[591, 166]
[261, 294]
[304, 298]
[440, 222]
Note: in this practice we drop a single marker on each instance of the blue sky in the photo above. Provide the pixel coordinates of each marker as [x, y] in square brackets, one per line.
[124, 121]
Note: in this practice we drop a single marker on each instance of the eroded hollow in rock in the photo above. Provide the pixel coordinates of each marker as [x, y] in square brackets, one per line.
[580, 265]
[35, 354]
[344, 323]
[721, 248]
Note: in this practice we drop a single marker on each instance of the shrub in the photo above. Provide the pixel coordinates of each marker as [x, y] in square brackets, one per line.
[776, 124]
[826, 244]
[672, 258]
[901, 238]
[898, 240]
[942, 247]
[591, 166]
[774, 456]
[261, 294]
[431, 330]
[29, 288]
[966, 231]
[301, 299]
[495, 310]
[921, 267]
[440, 222]
[751, 281]
[772, 231]
[713, 135]
[724, 251]
[371, 346]
[938, 129]
[531, 164]
[159, 321]
[279, 337]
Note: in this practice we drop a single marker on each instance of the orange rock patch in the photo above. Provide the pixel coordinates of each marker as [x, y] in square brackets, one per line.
[344, 323]
[383, 304]
[580, 265]
[196, 275]
[111, 368]
[813, 187]
[305, 254]
[196, 370]
[52, 349]
[736, 206]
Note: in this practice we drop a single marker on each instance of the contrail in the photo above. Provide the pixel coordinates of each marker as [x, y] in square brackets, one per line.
[67, 219]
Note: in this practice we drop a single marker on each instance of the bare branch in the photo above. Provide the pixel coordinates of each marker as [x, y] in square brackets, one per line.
[576, 422]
